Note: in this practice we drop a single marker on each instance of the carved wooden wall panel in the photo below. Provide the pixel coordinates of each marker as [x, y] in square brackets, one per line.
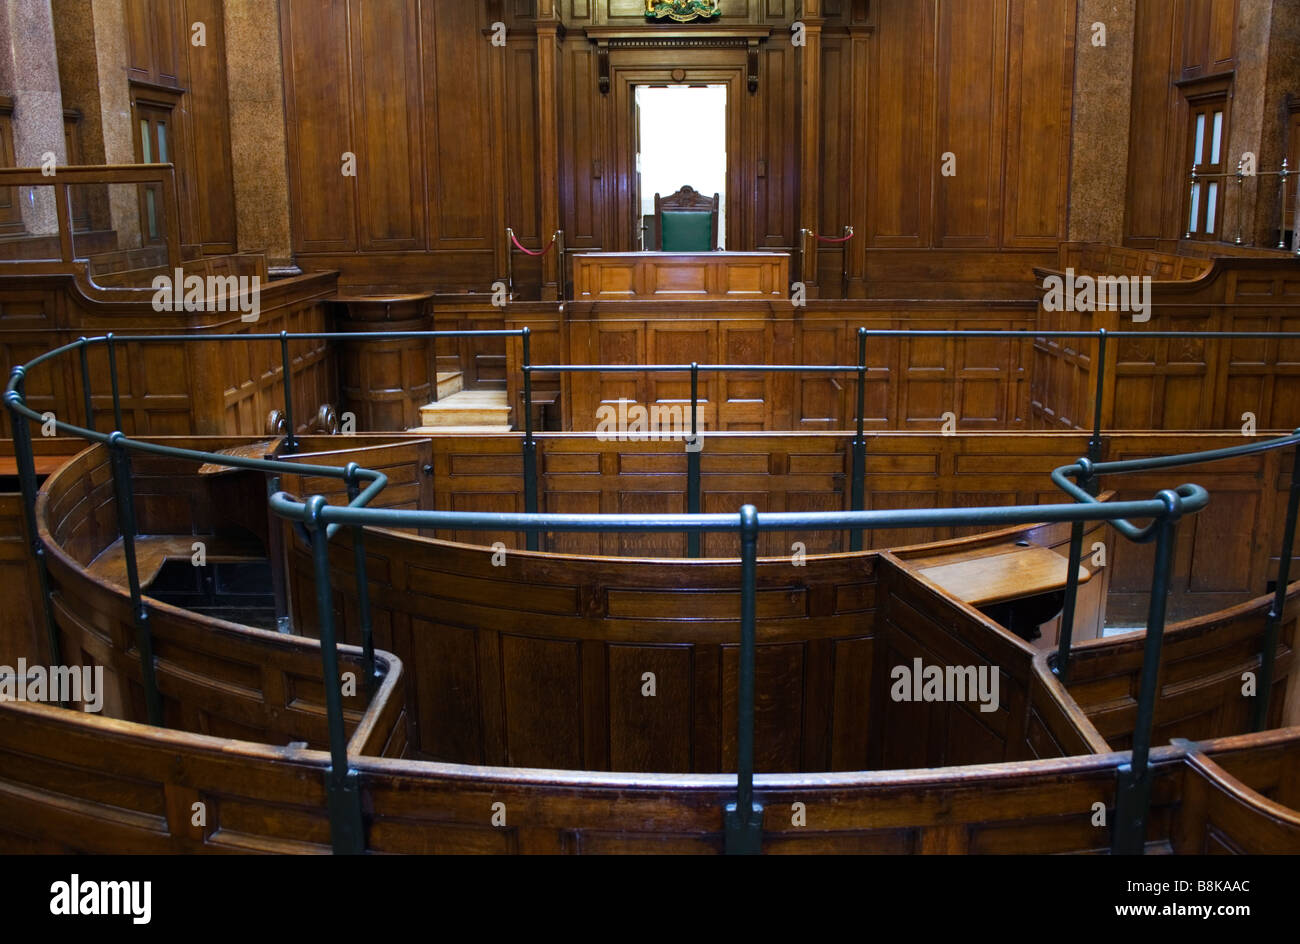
[993, 85]
[1180, 382]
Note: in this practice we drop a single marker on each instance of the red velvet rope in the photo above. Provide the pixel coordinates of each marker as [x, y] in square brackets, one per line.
[833, 239]
[532, 252]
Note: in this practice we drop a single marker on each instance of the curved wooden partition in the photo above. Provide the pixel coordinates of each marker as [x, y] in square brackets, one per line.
[78, 783]
[1224, 811]
[215, 678]
[1174, 383]
[1203, 680]
[538, 661]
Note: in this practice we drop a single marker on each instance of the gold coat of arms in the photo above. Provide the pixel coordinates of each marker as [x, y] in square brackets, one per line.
[683, 10]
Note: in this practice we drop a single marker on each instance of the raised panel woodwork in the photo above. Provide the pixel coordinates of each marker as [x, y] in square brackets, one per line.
[319, 114]
[385, 77]
[971, 60]
[1039, 86]
[901, 139]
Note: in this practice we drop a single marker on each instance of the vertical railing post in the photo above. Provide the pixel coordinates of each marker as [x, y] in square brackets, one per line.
[363, 582]
[857, 487]
[1133, 784]
[1276, 610]
[844, 261]
[124, 492]
[693, 464]
[1281, 203]
[744, 818]
[1066, 635]
[286, 374]
[85, 385]
[559, 248]
[1094, 443]
[112, 376]
[529, 445]
[1241, 180]
[25, 458]
[342, 784]
[510, 263]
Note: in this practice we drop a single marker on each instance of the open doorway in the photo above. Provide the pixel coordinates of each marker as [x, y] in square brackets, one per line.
[681, 140]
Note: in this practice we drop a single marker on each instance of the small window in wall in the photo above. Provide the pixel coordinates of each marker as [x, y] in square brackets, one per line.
[11, 214]
[154, 144]
[1207, 154]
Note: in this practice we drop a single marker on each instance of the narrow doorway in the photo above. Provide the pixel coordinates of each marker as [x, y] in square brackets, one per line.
[681, 140]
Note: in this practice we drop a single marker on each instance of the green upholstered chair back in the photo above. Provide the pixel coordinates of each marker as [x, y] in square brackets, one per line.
[687, 221]
[686, 230]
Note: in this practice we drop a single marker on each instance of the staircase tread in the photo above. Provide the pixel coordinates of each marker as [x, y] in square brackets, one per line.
[430, 430]
[478, 398]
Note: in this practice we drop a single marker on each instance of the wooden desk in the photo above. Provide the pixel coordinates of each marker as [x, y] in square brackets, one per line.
[678, 276]
[999, 573]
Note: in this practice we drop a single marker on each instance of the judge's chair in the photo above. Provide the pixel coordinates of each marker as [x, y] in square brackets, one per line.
[686, 221]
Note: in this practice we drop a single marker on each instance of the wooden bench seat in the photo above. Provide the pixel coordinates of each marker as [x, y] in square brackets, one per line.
[154, 550]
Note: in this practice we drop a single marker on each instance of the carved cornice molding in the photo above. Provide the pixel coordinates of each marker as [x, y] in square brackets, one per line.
[651, 37]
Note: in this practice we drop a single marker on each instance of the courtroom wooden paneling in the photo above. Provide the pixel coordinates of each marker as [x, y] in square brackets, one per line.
[265, 799]
[919, 622]
[22, 627]
[168, 388]
[385, 381]
[680, 277]
[161, 53]
[215, 677]
[455, 124]
[1203, 665]
[911, 382]
[406, 464]
[809, 472]
[541, 661]
[1174, 383]
[1174, 44]
[1219, 814]
[1267, 763]
[1024, 804]
[416, 126]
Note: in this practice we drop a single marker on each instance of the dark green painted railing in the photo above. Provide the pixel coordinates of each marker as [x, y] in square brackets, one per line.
[320, 521]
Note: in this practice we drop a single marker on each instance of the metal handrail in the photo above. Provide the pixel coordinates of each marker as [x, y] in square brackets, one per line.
[1134, 787]
[321, 521]
[1088, 474]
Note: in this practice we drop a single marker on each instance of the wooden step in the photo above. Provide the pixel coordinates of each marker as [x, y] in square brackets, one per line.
[450, 382]
[469, 408]
[459, 430]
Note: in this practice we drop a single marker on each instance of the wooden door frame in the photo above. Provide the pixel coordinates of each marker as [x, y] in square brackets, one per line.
[623, 79]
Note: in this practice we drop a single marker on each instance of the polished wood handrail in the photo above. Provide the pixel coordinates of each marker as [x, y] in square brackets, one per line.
[64, 177]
